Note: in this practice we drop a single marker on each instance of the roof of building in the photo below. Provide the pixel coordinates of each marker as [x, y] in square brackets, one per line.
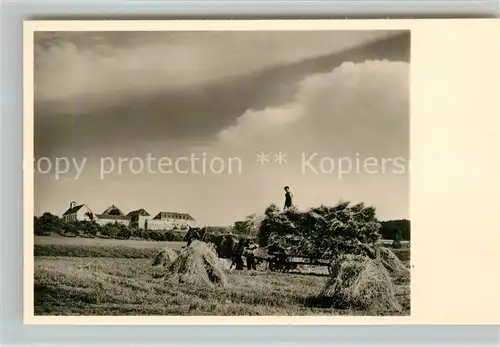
[139, 212]
[174, 215]
[113, 211]
[73, 209]
[112, 217]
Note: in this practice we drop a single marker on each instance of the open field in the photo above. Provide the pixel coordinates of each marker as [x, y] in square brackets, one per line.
[111, 248]
[99, 247]
[114, 277]
[104, 242]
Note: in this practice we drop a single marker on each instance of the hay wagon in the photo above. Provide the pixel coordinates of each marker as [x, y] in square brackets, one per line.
[283, 262]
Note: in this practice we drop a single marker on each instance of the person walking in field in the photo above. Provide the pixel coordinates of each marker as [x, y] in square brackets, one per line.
[288, 198]
[250, 256]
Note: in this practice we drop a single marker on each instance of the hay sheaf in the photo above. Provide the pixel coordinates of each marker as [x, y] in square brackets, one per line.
[360, 283]
[197, 264]
[165, 257]
[392, 263]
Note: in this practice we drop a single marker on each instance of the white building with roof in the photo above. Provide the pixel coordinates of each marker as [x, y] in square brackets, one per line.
[78, 212]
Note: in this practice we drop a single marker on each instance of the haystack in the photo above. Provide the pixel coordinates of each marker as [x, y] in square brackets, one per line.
[360, 283]
[323, 231]
[392, 263]
[197, 264]
[165, 257]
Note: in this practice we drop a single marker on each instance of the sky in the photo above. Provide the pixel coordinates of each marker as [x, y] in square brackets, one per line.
[334, 104]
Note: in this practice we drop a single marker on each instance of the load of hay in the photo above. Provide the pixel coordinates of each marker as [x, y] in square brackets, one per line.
[350, 235]
[165, 257]
[322, 232]
[360, 283]
[197, 264]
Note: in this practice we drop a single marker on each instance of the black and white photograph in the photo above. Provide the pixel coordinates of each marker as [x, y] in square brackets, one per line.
[221, 173]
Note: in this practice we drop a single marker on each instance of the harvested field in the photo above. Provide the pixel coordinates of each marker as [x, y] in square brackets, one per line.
[53, 246]
[122, 283]
[57, 240]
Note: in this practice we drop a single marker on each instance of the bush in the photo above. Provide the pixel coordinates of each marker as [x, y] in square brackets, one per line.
[87, 228]
[175, 236]
[124, 232]
[111, 230]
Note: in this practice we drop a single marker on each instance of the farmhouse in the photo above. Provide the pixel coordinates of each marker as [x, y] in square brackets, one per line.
[169, 221]
[77, 213]
[139, 218]
[113, 215]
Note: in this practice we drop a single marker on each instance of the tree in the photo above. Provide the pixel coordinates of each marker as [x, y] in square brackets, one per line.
[50, 223]
[39, 227]
[392, 227]
[89, 228]
[72, 229]
[90, 215]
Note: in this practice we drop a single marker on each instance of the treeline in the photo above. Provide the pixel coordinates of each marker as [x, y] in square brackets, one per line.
[398, 230]
[49, 223]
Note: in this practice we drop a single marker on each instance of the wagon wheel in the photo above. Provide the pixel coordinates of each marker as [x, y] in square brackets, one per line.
[285, 263]
[272, 265]
[288, 265]
[278, 263]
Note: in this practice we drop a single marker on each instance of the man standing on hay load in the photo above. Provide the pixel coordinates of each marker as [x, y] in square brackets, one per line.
[288, 198]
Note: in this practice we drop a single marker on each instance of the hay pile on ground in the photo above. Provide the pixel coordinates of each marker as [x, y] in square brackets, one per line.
[165, 257]
[197, 264]
[392, 263]
[225, 263]
[360, 283]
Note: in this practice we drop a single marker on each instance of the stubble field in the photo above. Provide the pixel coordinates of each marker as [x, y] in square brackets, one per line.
[75, 276]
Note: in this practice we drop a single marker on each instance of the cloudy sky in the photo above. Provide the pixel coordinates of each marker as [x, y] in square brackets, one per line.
[321, 98]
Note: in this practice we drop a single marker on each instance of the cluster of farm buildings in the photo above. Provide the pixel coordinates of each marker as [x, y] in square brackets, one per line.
[138, 218]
